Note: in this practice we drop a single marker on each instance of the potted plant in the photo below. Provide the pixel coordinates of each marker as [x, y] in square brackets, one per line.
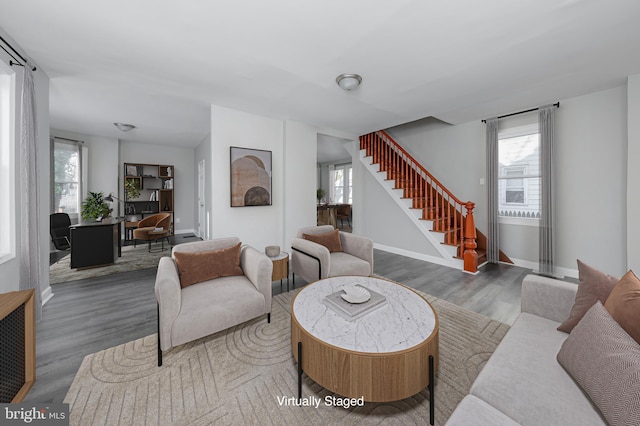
[94, 207]
[320, 193]
[131, 189]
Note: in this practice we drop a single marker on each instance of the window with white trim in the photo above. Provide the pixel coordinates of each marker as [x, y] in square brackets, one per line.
[519, 175]
[342, 184]
[7, 163]
[66, 194]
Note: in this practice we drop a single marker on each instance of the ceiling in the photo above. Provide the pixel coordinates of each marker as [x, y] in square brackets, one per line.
[331, 148]
[160, 64]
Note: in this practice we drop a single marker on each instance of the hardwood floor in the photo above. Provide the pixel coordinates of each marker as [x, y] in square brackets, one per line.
[86, 316]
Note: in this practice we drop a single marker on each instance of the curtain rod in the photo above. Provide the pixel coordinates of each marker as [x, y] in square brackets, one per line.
[16, 52]
[70, 140]
[557, 105]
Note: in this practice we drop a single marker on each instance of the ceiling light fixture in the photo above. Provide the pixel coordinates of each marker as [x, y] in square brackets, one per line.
[124, 127]
[348, 82]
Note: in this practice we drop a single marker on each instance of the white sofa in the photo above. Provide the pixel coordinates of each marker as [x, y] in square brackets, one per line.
[523, 383]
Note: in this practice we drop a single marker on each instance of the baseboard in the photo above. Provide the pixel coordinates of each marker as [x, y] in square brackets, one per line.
[560, 271]
[184, 231]
[419, 256]
[46, 295]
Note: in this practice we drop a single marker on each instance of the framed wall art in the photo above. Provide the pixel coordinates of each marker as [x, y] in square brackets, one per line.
[250, 177]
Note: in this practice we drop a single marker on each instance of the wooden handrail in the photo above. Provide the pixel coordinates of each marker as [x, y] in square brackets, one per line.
[437, 203]
[425, 171]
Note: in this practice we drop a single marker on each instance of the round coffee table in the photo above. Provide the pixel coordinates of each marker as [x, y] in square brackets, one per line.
[388, 354]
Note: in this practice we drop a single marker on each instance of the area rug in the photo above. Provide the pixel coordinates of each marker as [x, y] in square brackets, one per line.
[133, 258]
[246, 375]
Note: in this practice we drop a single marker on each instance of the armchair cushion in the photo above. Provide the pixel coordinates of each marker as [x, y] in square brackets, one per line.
[216, 305]
[346, 264]
[331, 240]
[197, 267]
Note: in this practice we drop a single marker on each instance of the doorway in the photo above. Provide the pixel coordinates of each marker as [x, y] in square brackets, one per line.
[202, 224]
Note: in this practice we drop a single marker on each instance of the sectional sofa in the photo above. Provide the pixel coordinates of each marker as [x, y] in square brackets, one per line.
[523, 382]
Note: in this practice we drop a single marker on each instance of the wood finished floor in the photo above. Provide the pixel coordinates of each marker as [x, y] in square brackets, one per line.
[86, 316]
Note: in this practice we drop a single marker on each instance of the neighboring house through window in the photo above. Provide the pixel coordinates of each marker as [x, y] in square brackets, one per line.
[519, 173]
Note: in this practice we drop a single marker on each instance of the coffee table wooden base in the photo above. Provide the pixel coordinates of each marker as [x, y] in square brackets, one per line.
[378, 377]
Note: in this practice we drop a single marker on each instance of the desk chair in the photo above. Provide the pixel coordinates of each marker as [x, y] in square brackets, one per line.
[59, 224]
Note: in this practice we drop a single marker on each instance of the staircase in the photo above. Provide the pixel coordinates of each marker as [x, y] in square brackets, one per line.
[443, 219]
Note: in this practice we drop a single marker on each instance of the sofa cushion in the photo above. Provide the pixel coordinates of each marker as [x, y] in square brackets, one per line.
[197, 267]
[594, 285]
[624, 304]
[605, 361]
[236, 301]
[331, 240]
[524, 380]
[476, 412]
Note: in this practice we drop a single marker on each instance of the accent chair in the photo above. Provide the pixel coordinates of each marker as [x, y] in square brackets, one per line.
[187, 313]
[146, 230]
[314, 261]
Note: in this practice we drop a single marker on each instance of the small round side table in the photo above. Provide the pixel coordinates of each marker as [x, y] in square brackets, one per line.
[280, 267]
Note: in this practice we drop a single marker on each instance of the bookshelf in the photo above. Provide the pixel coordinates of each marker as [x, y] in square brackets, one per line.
[156, 185]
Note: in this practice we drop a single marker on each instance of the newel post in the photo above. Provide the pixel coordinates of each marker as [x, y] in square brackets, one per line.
[470, 255]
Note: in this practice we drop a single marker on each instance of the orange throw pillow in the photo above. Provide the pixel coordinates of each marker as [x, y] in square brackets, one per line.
[202, 266]
[330, 240]
[623, 304]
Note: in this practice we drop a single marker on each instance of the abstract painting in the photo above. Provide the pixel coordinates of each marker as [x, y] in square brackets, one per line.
[250, 177]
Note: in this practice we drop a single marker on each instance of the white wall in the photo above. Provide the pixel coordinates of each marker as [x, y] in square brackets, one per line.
[184, 177]
[633, 173]
[10, 270]
[293, 147]
[300, 182]
[591, 152]
[258, 226]
[592, 180]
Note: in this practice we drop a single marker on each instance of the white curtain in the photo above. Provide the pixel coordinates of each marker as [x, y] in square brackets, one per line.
[547, 117]
[332, 189]
[493, 237]
[29, 194]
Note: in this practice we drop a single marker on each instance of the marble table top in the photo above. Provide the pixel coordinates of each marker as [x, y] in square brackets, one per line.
[403, 322]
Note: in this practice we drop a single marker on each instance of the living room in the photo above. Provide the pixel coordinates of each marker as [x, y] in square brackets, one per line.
[598, 139]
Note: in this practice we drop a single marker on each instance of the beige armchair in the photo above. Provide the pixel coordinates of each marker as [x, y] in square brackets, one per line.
[198, 310]
[313, 261]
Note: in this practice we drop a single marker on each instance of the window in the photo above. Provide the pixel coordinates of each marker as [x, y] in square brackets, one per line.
[7, 161]
[342, 184]
[519, 172]
[514, 182]
[66, 170]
